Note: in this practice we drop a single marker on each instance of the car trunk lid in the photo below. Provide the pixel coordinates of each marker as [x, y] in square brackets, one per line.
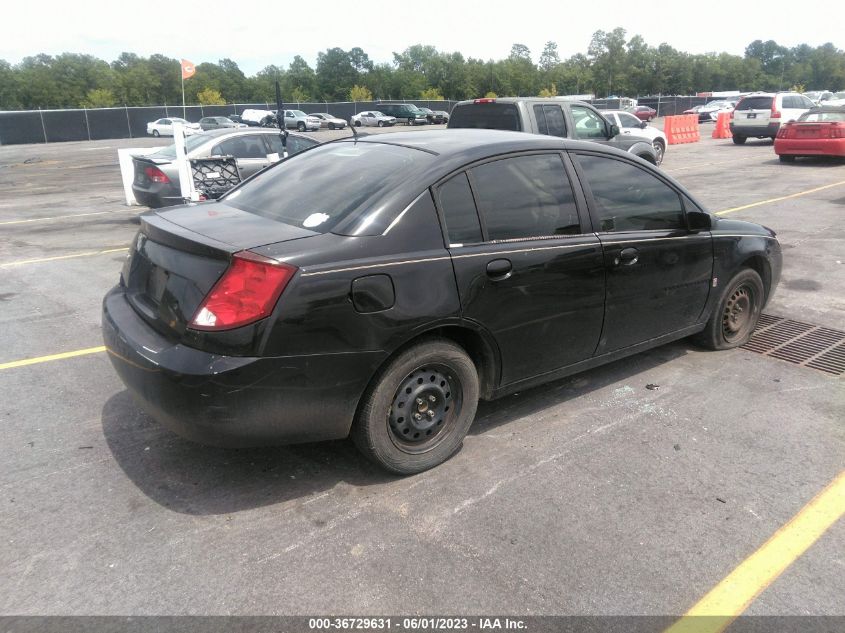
[179, 254]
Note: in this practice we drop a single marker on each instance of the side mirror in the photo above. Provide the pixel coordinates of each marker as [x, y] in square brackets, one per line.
[644, 125]
[699, 221]
[614, 130]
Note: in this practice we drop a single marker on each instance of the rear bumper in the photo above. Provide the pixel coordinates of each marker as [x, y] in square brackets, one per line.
[810, 147]
[759, 131]
[233, 400]
[156, 198]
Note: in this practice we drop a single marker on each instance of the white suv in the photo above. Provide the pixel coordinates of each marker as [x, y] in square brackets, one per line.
[760, 114]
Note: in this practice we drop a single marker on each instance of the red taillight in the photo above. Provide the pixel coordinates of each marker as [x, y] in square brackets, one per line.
[775, 112]
[245, 293]
[783, 132]
[485, 100]
[837, 130]
[156, 175]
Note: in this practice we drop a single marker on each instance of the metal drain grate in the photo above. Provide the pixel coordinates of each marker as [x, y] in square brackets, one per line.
[800, 343]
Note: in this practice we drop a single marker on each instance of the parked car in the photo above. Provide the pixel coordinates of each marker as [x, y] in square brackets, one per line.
[760, 114]
[567, 119]
[164, 127]
[818, 132]
[308, 305]
[643, 113]
[218, 122]
[298, 120]
[372, 118]
[819, 97]
[838, 99]
[407, 112]
[629, 124]
[329, 121]
[156, 182]
[435, 117]
[443, 114]
[710, 111]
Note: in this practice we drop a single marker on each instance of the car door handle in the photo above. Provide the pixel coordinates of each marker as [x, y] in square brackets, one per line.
[499, 269]
[627, 257]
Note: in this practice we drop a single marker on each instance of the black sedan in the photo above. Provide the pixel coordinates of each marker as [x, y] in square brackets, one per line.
[380, 287]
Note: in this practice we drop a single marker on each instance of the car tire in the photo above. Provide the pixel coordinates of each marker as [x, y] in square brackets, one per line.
[410, 121]
[357, 124]
[436, 384]
[331, 126]
[300, 126]
[659, 151]
[736, 314]
[739, 139]
[156, 134]
[784, 158]
[381, 124]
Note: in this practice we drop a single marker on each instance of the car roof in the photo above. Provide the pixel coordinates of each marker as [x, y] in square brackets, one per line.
[524, 99]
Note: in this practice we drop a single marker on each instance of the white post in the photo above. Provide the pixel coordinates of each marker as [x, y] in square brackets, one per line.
[186, 178]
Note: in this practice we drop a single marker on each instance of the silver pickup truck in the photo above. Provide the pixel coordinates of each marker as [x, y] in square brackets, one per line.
[555, 117]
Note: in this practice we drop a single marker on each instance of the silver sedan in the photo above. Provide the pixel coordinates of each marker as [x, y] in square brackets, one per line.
[372, 118]
[329, 121]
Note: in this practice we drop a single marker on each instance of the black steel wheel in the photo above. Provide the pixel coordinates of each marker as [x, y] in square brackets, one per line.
[736, 315]
[419, 408]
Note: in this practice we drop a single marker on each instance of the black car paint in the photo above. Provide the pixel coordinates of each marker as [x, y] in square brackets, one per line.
[300, 374]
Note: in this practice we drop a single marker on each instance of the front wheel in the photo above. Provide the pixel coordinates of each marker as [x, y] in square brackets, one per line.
[381, 123]
[417, 411]
[735, 316]
[331, 126]
[739, 139]
[410, 121]
[156, 134]
[659, 151]
[357, 124]
[300, 126]
[784, 158]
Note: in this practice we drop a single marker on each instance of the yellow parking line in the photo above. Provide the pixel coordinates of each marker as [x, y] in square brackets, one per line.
[52, 259]
[55, 217]
[727, 600]
[770, 200]
[45, 359]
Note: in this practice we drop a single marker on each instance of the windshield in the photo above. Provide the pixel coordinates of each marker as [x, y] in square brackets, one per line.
[298, 113]
[191, 143]
[319, 188]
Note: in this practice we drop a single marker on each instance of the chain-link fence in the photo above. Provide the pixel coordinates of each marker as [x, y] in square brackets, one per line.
[49, 126]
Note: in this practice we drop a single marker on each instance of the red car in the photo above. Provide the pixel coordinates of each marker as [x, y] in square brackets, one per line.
[817, 132]
[643, 113]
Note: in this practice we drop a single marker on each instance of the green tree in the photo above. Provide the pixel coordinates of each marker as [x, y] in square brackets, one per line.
[548, 92]
[301, 75]
[431, 94]
[335, 74]
[549, 58]
[99, 98]
[210, 96]
[360, 93]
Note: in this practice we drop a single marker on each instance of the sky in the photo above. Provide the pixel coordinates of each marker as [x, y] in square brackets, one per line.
[250, 33]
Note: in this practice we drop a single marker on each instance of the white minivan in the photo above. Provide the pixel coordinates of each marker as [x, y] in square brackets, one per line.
[760, 114]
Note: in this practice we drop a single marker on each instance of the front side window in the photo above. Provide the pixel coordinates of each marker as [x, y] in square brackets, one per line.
[628, 198]
[588, 124]
[526, 196]
[628, 121]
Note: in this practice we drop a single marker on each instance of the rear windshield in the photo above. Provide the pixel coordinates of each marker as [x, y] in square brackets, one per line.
[488, 116]
[755, 103]
[815, 117]
[191, 143]
[320, 188]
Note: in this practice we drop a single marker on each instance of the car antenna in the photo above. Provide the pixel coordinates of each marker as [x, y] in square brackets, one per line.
[280, 119]
[352, 127]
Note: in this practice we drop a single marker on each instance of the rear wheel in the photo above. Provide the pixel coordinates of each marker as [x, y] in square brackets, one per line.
[735, 316]
[786, 159]
[418, 410]
[357, 124]
[739, 139]
[331, 126]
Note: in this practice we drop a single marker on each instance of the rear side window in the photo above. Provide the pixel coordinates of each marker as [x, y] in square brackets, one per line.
[242, 147]
[550, 120]
[488, 116]
[524, 197]
[459, 211]
[755, 103]
[630, 199]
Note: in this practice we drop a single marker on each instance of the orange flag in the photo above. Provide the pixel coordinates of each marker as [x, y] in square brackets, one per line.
[188, 69]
